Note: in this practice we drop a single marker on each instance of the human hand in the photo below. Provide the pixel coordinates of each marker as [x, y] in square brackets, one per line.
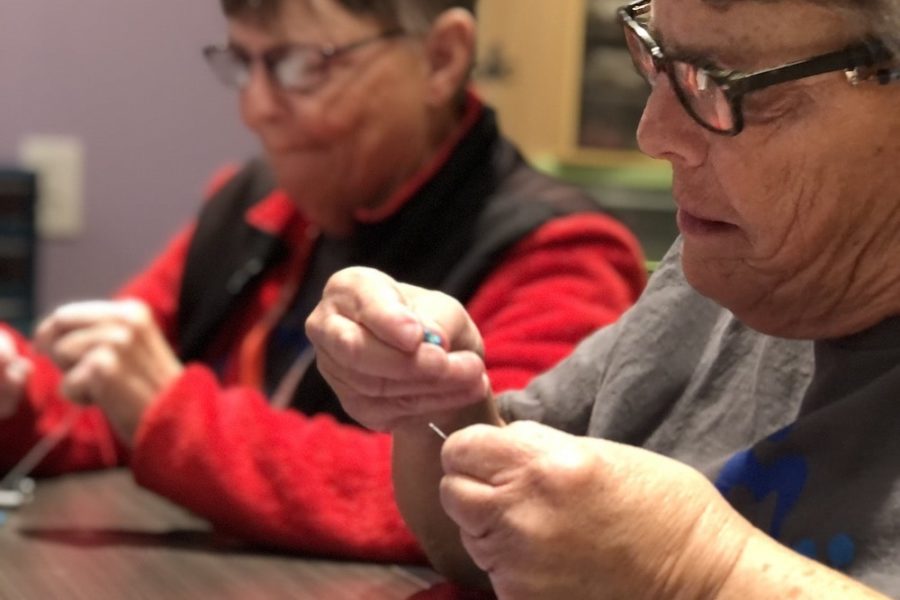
[14, 372]
[368, 331]
[550, 515]
[112, 355]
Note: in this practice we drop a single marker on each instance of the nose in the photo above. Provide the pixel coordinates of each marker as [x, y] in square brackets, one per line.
[261, 99]
[667, 131]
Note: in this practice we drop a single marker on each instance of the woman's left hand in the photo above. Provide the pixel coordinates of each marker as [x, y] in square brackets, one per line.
[113, 355]
[550, 515]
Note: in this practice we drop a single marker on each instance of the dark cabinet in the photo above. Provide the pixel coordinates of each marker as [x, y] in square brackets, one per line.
[17, 248]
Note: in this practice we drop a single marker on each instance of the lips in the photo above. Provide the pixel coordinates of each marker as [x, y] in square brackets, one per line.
[692, 224]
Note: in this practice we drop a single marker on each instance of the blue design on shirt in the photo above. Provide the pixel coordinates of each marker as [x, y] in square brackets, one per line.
[807, 548]
[785, 477]
[781, 434]
[841, 551]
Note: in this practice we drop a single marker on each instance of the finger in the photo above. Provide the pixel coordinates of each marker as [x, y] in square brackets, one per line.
[373, 300]
[85, 381]
[387, 372]
[384, 414]
[67, 317]
[78, 315]
[483, 552]
[71, 347]
[488, 453]
[7, 348]
[18, 370]
[13, 378]
[354, 348]
[446, 317]
[464, 378]
[473, 504]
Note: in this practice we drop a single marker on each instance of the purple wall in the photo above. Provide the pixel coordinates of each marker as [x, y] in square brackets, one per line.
[127, 78]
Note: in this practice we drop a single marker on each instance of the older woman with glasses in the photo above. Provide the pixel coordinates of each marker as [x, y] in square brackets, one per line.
[734, 434]
[376, 154]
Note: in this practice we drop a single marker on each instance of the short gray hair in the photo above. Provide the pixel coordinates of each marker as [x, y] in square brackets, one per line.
[881, 18]
[890, 25]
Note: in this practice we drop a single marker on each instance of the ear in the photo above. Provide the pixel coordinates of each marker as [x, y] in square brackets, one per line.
[450, 52]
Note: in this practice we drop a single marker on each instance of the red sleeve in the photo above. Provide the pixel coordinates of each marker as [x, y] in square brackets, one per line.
[569, 278]
[305, 484]
[90, 443]
[273, 477]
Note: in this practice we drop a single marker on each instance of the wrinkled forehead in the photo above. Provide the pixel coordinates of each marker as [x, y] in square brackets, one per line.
[749, 34]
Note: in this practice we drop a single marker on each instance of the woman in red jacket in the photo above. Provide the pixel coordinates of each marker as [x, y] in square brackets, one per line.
[199, 376]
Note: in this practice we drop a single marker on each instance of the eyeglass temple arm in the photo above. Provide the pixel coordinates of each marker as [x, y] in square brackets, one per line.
[850, 59]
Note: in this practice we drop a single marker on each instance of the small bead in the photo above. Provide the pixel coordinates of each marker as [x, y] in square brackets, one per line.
[432, 338]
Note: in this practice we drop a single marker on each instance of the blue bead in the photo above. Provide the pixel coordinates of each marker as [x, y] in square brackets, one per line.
[841, 551]
[432, 338]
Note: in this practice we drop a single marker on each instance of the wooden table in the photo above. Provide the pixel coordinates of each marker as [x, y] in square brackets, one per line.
[98, 536]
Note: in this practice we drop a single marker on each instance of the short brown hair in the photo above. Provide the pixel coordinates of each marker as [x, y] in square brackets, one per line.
[410, 15]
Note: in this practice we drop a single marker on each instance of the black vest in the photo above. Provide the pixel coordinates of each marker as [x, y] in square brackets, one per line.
[449, 237]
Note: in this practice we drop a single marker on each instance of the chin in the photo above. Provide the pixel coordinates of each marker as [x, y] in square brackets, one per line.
[754, 303]
[344, 229]
[329, 222]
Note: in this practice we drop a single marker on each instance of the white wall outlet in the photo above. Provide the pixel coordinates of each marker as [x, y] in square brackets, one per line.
[58, 161]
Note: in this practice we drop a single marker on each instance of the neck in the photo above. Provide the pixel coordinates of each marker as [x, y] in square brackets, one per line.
[446, 127]
[844, 296]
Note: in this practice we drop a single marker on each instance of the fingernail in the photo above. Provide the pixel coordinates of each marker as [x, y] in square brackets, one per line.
[411, 332]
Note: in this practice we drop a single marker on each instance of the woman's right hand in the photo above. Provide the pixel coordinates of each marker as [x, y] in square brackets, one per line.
[369, 332]
[14, 372]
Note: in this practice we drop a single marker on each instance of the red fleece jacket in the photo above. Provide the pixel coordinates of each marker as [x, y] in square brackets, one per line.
[279, 478]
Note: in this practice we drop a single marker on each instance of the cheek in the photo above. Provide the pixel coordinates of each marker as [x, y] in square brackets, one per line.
[776, 194]
[327, 121]
[247, 115]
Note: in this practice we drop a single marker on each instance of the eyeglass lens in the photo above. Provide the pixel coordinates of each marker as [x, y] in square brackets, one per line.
[295, 69]
[699, 93]
[705, 98]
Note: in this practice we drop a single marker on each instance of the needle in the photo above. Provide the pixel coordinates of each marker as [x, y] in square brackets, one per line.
[37, 453]
[438, 431]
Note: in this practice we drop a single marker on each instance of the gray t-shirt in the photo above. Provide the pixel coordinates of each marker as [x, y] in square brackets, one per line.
[812, 460]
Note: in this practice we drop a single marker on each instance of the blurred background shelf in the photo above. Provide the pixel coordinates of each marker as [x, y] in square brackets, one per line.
[566, 92]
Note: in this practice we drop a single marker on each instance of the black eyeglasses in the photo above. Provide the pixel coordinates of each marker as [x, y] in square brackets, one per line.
[296, 68]
[713, 96]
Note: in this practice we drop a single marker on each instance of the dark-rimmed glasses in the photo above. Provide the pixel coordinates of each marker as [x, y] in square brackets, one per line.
[295, 67]
[713, 96]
